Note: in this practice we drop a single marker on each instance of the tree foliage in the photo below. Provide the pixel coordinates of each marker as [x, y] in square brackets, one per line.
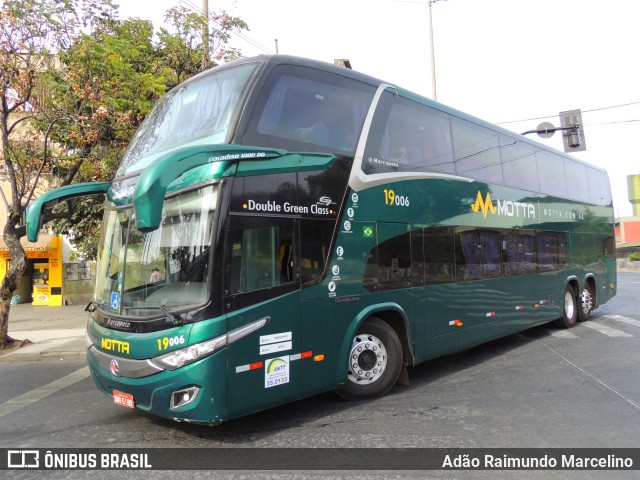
[110, 78]
[31, 33]
[76, 76]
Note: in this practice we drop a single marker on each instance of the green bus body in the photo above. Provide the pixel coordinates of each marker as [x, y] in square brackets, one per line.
[326, 232]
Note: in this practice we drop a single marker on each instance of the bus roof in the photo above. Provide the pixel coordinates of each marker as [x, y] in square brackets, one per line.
[270, 61]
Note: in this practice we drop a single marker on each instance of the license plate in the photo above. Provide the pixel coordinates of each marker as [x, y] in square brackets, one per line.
[124, 399]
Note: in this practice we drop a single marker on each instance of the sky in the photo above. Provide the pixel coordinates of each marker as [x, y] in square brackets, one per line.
[516, 63]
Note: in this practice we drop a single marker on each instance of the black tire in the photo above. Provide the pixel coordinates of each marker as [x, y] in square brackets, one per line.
[570, 310]
[587, 302]
[375, 360]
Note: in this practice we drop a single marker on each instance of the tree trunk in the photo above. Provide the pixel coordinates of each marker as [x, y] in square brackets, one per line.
[10, 282]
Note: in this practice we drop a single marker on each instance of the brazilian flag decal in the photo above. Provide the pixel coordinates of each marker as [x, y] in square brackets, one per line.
[367, 232]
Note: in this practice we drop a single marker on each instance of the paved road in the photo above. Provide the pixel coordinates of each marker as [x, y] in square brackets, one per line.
[540, 388]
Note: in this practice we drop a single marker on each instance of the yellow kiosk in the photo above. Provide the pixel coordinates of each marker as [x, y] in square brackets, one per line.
[45, 260]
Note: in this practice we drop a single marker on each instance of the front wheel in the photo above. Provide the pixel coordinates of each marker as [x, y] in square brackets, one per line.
[375, 360]
[586, 303]
[570, 311]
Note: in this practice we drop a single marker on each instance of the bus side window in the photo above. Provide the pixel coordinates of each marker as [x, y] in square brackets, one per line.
[315, 241]
[477, 151]
[551, 250]
[478, 255]
[305, 109]
[408, 136]
[519, 164]
[518, 252]
[551, 174]
[261, 258]
[440, 260]
[389, 264]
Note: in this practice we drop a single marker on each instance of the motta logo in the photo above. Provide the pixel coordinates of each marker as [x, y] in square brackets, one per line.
[504, 208]
[485, 206]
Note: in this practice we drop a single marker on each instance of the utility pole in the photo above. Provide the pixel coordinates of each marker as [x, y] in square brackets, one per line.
[205, 34]
[433, 55]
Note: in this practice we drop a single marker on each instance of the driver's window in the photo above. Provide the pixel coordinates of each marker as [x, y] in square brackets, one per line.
[261, 257]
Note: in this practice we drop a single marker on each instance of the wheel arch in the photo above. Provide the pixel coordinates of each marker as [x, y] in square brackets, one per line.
[390, 313]
[590, 279]
[575, 283]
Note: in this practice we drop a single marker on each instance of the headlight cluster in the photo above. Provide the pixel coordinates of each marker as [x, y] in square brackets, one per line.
[190, 354]
[185, 356]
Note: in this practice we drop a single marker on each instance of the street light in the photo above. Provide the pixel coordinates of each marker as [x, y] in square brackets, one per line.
[433, 57]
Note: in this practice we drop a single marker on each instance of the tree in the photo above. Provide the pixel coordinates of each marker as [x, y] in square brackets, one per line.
[109, 80]
[84, 81]
[181, 46]
[106, 84]
[30, 33]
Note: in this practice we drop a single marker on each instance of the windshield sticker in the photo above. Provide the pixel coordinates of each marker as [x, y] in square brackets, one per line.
[276, 371]
[115, 300]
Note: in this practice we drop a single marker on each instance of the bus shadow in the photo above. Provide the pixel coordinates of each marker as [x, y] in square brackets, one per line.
[434, 370]
[311, 412]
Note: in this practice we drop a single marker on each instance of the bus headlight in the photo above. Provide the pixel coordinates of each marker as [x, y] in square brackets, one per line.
[193, 353]
[190, 354]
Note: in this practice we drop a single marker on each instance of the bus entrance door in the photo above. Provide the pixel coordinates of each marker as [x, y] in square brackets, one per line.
[263, 367]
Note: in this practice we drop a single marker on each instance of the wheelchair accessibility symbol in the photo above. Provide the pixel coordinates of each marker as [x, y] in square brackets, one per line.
[115, 300]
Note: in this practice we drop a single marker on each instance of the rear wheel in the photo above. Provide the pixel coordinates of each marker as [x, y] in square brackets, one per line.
[570, 311]
[375, 360]
[587, 302]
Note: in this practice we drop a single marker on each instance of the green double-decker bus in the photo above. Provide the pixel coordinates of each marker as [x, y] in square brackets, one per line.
[281, 227]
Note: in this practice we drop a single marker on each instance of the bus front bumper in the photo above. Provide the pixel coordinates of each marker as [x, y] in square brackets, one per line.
[187, 394]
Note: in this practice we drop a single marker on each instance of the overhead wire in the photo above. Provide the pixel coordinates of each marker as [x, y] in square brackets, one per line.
[612, 122]
[583, 111]
[199, 10]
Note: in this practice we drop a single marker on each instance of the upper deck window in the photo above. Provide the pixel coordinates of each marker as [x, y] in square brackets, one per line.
[407, 136]
[194, 113]
[302, 109]
[477, 151]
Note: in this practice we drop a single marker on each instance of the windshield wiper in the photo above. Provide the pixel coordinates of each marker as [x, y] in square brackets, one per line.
[175, 319]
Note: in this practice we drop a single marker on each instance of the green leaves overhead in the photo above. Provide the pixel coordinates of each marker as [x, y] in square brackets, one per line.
[85, 79]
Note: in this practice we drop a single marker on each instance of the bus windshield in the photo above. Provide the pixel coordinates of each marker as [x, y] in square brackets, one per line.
[196, 113]
[140, 272]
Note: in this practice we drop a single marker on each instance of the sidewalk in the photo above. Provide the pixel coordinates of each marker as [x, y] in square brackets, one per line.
[57, 333]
